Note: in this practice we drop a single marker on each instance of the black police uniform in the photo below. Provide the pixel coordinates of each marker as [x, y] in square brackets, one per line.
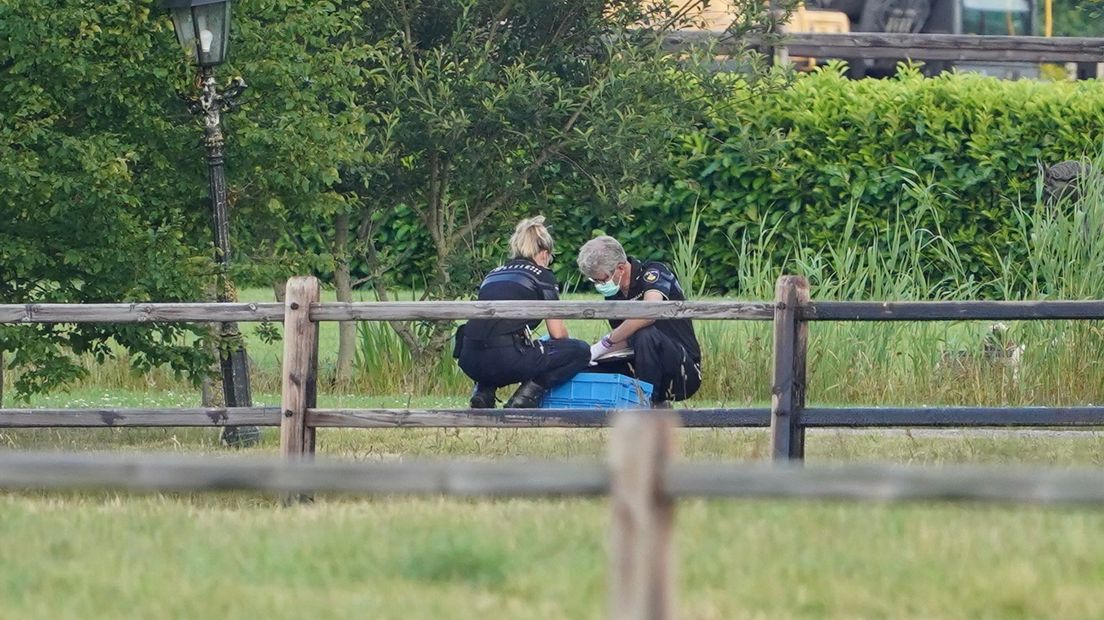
[667, 353]
[498, 352]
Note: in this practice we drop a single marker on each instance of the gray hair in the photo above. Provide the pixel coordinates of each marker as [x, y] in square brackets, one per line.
[600, 256]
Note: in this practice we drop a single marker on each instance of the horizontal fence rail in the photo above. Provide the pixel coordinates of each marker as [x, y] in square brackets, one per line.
[751, 417]
[363, 418]
[884, 45]
[138, 417]
[462, 310]
[386, 311]
[435, 310]
[141, 313]
[936, 417]
[22, 470]
[890, 483]
[920, 46]
[521, 418]
[951, 310]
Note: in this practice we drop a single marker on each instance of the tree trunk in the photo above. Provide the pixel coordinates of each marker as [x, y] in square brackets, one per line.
[1, 379]
[210, 388]
[211, 392]
[342, 282]
[279, 288]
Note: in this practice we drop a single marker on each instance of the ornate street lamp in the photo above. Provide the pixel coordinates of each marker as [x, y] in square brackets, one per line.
[203, 29]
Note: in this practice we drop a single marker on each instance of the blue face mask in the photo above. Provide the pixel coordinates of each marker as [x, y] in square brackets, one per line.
[609, 288]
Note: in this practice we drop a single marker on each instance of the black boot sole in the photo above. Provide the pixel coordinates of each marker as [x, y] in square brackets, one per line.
[527, 396]
[479, 403]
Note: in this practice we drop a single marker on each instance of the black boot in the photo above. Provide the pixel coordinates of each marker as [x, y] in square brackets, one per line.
[527, 396]
[483, 397]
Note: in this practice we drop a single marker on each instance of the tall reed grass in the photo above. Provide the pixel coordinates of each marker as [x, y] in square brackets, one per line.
[932, 362]
[945, 362]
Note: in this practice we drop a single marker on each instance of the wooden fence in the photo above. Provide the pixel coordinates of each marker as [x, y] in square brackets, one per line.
[788, 417]
[519, 478]
[641, 478]
[921, 46]
[1087, 52]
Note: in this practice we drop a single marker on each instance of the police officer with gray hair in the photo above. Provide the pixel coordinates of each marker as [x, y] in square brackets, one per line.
[666, 352]
[498, 352]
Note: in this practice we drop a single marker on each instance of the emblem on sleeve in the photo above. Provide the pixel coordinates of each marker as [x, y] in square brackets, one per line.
[651, 276]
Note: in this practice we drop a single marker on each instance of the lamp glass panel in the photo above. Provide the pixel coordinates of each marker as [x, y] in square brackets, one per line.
[212, 28]
[185, 30]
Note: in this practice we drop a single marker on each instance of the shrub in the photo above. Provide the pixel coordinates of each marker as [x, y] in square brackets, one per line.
[957, 151]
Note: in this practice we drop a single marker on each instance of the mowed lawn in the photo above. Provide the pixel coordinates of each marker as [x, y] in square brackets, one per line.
[234, 555]
[109, 556]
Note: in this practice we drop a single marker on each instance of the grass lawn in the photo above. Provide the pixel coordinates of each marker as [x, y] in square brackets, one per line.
[235, 555]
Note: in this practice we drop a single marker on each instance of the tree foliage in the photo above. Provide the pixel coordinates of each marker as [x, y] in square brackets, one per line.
[392, 132]
[489, 109]
[92, 176]
[102, 176]
[958, 152]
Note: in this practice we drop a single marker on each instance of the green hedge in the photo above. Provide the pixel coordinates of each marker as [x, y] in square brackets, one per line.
[957, 152]
[961, 149]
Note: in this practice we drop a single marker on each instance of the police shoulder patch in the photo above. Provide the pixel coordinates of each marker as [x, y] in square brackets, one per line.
[651, 275]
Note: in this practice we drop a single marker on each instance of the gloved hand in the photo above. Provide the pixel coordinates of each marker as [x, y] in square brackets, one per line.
[600, 348]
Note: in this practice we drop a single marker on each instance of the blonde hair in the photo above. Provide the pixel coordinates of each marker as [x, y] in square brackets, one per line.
[530, 238]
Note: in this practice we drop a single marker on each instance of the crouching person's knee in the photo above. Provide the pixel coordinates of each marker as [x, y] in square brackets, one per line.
[580, 353]
[645, 337]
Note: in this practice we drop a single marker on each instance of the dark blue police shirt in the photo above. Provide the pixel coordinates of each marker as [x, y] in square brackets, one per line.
[656, 276]
[520, 279]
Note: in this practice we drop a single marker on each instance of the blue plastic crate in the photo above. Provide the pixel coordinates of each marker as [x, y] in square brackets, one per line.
[599, 391]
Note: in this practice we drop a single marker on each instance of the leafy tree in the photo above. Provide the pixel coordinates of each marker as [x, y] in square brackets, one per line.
[102, 177]
[374, 130]
[489, 109]
[88, 163]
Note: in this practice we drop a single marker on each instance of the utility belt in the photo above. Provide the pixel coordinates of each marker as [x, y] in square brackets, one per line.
[518, 340]
[495, 342]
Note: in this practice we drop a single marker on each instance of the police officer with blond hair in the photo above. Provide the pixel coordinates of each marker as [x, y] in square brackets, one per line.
[665, 352]
[498, 352]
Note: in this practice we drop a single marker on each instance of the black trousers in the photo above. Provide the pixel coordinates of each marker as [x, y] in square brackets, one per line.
[661, 361]
[549, 363]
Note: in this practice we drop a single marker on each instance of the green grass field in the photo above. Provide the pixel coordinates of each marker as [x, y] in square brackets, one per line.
[240, 557]
[235, 555]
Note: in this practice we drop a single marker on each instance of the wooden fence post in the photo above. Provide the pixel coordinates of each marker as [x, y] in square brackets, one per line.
[299, 375]
[791, 341]
[640, 577]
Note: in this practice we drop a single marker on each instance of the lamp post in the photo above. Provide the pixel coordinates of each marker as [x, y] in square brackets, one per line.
[203, 30]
